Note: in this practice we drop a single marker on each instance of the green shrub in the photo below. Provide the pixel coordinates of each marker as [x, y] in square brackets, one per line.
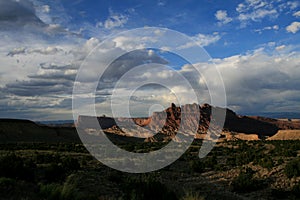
[68, 192]
[280, 161]
[146, 188]
[230, 161]
[197, 166]
[51, 191]
[11, 189]
[296, 190]
[245, 182]
[266, 162]
[54, 191]
[7, 185]
[245, 157]
[292, 169]
[54, 173]
[192, 196]
[115, 176]
[70, 164]
[289, 153]
[210, 162]
[12, 166]
[47, 158]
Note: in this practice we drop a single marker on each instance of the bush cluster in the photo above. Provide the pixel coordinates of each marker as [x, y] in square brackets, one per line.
[146, 188]
[245, 182]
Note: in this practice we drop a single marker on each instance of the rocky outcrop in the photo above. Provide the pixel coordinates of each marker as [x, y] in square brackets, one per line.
[286, 135]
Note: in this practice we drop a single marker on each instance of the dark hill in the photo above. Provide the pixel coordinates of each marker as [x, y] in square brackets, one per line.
[15, 130]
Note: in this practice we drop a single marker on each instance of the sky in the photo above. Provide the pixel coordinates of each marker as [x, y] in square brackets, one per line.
[254, 44]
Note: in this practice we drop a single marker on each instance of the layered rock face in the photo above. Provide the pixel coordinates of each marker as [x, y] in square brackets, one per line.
[190, 119]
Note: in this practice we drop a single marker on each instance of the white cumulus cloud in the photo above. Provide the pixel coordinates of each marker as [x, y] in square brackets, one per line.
[297, 14]
[260, 81]
[293, 27]
[281, 47]
[46, 8]
[255, 11]
[114, 20]
[222, 17]
[202, 40]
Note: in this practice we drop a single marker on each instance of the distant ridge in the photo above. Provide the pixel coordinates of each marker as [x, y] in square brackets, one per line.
[166, 126]
[276, 115]
[55, 122]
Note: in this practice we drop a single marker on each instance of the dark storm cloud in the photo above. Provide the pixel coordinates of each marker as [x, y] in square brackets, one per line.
[125, 63]
[54, 76]
[130, 60]
[39, 87]
[104, 92]
[42, 51]
[261, 82]
[58, 67]
[269, 80]
[33, 114]
[54, 79]
[20, 16]
[65, 103]
[17, 13]
[17, 51]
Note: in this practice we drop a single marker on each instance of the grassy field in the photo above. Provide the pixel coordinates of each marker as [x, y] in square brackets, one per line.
[233, 170]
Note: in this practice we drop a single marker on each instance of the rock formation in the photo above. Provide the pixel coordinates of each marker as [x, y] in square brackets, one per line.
[165, 125]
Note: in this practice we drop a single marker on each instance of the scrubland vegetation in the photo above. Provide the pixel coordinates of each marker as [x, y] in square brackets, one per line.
[233, 170]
